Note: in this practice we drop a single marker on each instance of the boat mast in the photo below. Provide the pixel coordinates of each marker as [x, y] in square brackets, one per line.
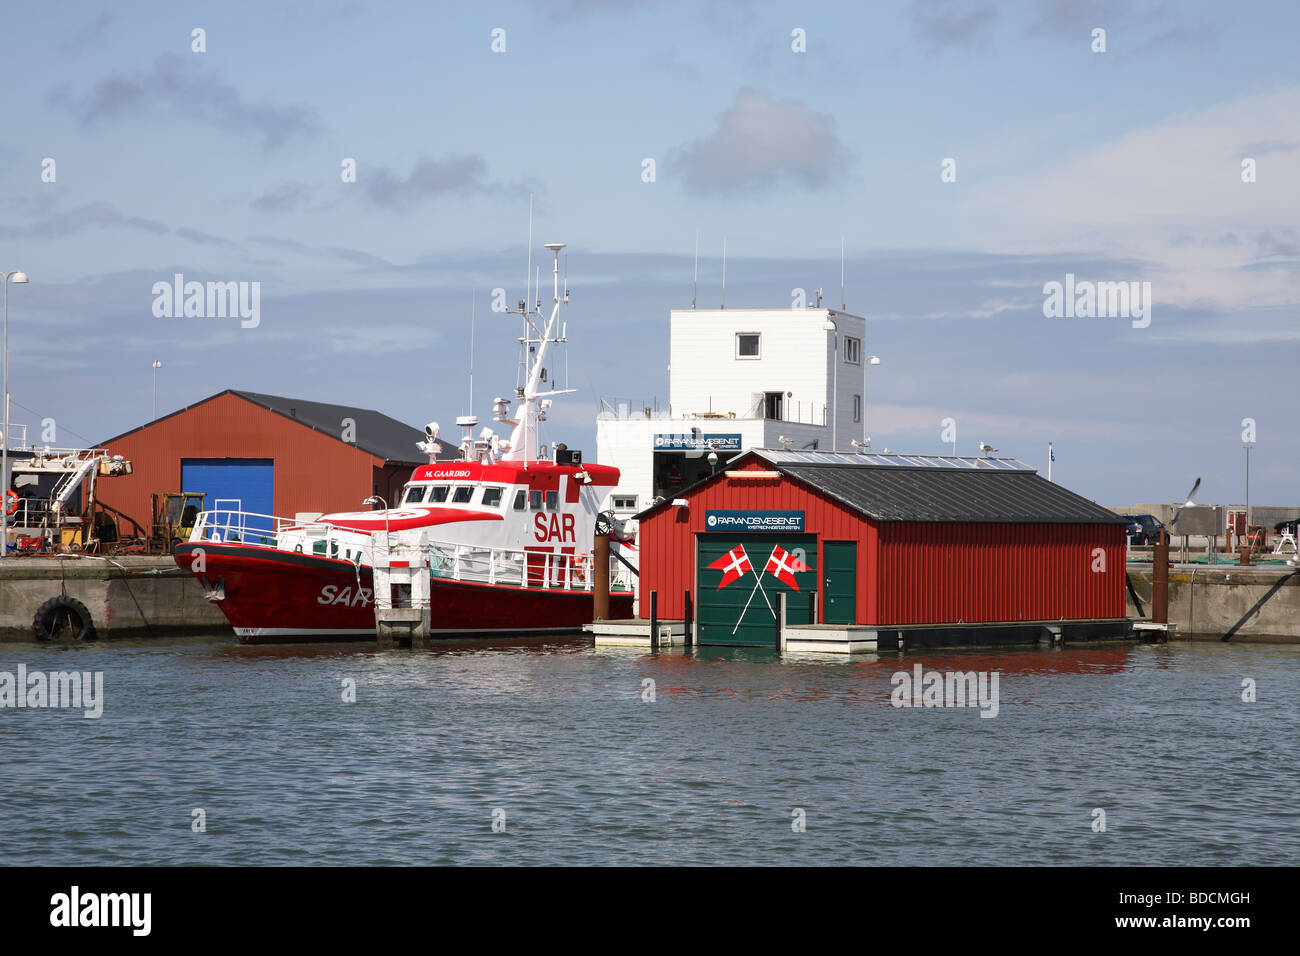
[523, 440]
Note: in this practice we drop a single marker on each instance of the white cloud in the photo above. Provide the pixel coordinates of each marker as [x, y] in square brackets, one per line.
[1167, 195]
[760, 141]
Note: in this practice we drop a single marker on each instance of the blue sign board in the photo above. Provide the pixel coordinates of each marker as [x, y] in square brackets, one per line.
[754, 520]
[697, 442]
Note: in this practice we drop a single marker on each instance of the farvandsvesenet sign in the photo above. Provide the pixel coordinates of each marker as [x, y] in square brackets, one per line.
[753, 520]
[727, 442]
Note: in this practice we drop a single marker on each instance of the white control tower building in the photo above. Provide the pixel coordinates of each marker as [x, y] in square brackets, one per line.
[738, 379]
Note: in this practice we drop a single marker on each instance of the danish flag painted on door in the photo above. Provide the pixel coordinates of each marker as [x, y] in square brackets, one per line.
[734, 565]
[784, 566]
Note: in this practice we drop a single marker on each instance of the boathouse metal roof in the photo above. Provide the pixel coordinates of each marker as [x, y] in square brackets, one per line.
[932, 488]
[376, 433]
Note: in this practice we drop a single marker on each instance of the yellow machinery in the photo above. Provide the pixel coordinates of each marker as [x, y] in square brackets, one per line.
[174, 515]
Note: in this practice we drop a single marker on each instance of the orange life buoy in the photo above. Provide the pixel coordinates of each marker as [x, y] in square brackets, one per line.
[13, 502]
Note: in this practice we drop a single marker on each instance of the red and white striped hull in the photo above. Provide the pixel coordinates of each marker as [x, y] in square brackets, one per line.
[274, 596]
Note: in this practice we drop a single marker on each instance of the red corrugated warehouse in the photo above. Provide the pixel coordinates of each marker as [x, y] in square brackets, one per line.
[881, 541]
[275, 455]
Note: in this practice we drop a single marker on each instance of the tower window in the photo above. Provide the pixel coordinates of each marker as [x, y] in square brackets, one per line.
[748, 345]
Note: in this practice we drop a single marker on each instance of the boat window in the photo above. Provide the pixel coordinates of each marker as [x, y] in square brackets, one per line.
[439, 494]
[552, 500]
[535, 500]
[462, 494]
[492, 497]
[414, 494]
[520, 498]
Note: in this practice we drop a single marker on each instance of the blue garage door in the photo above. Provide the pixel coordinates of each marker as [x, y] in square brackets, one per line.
[249, 480]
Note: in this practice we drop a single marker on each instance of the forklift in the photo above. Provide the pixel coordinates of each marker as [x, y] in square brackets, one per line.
[174, 515]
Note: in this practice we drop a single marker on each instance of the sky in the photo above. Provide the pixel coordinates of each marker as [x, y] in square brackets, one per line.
[966, 153]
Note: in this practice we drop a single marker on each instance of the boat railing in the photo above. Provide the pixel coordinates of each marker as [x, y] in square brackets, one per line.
[544, 570]
[261, 530]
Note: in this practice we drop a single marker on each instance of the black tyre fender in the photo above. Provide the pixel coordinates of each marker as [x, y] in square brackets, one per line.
[63, 616]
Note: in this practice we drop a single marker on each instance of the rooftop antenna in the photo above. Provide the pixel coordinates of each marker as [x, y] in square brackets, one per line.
[724, 272]
[842, 309]
[695, 283]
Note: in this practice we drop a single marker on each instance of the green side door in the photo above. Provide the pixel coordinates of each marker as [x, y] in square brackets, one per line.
[841, 584]
[742, 612]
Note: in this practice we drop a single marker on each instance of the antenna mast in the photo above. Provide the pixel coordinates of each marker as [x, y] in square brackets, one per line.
[695, 282]
[842, 309]
[473, 305]
[724, 272]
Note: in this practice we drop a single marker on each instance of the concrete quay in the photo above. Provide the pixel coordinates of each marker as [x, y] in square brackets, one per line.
[126, 596]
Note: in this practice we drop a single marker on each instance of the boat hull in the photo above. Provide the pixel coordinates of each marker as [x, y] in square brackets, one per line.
[271, 597]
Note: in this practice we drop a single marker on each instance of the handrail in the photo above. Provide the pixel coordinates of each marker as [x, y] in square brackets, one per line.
[511, 567]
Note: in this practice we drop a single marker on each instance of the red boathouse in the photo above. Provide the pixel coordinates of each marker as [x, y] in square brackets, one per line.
[924, 549]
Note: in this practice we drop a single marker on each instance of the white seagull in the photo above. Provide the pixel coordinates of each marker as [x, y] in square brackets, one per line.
[987, 448]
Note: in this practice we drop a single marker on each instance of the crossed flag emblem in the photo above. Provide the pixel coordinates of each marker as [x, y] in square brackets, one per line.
[735, 564]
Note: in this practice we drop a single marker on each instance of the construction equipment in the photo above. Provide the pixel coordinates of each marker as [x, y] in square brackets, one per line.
[174, 515]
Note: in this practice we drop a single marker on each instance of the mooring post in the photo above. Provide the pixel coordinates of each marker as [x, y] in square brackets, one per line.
[654, 620]
[689, 621]
[780, 620]
[600, 578]
[1160, 580]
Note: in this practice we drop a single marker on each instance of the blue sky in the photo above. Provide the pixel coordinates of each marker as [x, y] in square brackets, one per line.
[1116, 166]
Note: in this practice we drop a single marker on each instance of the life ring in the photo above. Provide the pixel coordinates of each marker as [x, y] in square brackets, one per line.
[63, 615]
[12, 502]
[576, 569]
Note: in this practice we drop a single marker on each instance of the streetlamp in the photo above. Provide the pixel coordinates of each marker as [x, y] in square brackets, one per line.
[1247, 445]
[156, 367]
[870, 360]
[18, 277]
[830, 326]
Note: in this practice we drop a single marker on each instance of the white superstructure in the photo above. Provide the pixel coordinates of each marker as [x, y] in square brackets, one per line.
[738, 378]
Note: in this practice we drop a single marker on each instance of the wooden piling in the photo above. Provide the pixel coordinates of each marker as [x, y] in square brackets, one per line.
[1160, 580]
[780, 620]
[654, 620]
[600, 578]
[689, 619]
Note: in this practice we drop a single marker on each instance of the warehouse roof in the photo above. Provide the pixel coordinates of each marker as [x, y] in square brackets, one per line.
[376, 433]
[933, 488]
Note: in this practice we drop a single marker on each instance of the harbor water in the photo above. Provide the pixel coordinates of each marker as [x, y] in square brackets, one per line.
[581, 755]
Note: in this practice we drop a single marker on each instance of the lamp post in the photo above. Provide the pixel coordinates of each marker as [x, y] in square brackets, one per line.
[1247, 447]
[830, 326]
[867, 362]
[156, 367]
[18, 277]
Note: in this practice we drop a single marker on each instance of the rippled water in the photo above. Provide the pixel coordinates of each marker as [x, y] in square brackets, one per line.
[556, 734]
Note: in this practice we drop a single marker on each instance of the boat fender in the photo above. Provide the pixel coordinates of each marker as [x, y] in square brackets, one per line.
[11, 502]
[62, 612]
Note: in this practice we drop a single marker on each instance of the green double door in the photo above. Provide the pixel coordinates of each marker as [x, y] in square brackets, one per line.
[755, 568]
